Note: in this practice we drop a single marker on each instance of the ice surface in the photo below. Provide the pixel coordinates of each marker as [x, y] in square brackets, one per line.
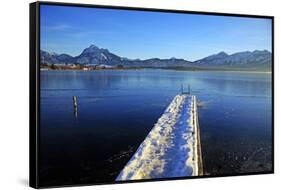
[170, 149]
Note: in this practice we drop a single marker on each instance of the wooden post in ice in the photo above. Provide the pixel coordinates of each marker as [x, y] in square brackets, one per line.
[75, 105]
[182, 89]
[188, 89]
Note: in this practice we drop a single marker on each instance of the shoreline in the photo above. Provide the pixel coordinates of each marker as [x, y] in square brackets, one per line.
[196, 70]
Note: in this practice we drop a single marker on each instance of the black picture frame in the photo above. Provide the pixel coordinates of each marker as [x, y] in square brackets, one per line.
[34, 87]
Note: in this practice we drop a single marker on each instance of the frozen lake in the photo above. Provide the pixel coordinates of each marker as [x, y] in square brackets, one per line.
[118, 108]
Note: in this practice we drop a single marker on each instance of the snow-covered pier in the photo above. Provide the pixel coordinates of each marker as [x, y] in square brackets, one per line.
[172, 148]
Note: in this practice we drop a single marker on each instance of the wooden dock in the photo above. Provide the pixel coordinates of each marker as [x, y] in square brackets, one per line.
[172, 148]
[197, 128]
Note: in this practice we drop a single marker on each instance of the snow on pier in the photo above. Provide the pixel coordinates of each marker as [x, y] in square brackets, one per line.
[172, 148]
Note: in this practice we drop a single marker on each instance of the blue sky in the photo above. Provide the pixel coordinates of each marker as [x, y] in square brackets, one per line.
[139, 34]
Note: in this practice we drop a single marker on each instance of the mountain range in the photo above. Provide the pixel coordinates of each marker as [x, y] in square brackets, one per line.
[93, 55]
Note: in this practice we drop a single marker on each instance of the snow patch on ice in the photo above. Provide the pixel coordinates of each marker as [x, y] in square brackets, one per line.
[170, 149]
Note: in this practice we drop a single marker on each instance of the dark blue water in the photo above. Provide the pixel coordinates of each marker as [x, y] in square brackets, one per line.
[117, 109]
